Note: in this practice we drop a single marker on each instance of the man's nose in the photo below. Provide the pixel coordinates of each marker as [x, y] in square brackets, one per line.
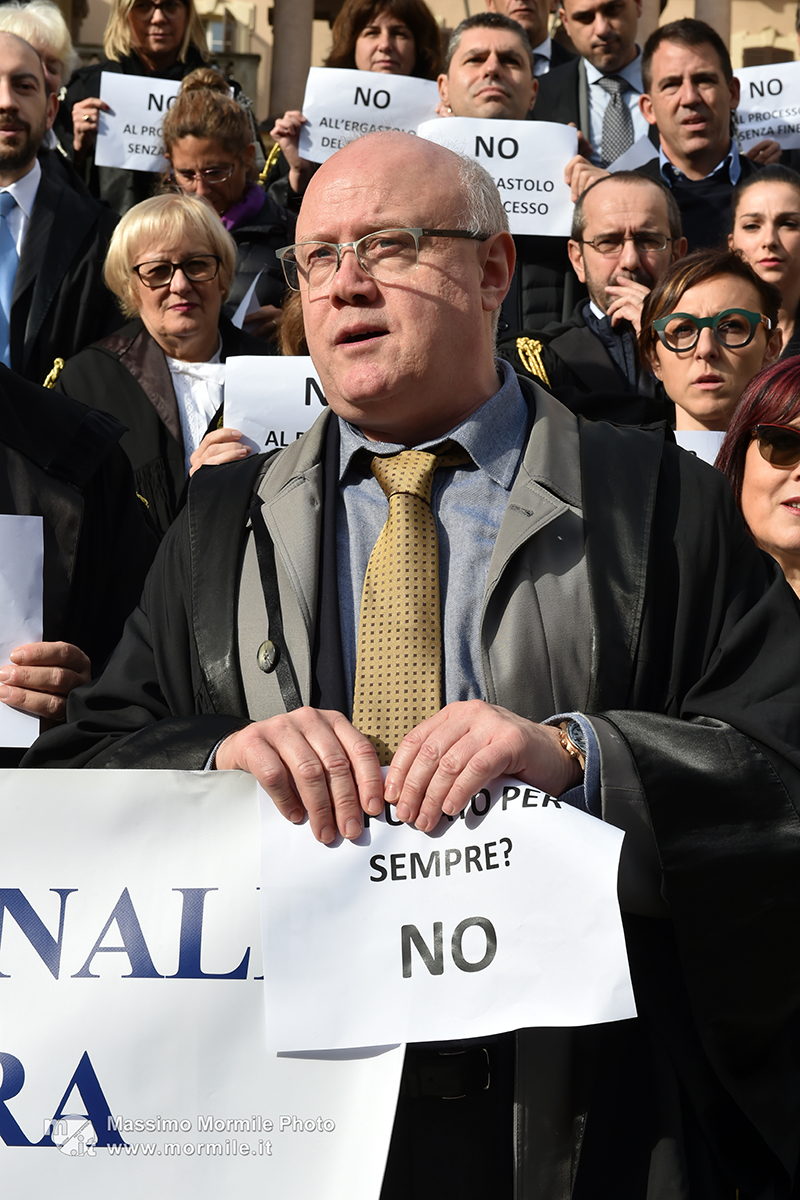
[350, 279]
[630, 255]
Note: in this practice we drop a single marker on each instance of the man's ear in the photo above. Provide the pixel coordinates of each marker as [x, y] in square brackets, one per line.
[575, 251]
[736, 88]
[444, 91]
[52, 109]
[534, 90]
[646, 108]
[498, 257]
[679, 248]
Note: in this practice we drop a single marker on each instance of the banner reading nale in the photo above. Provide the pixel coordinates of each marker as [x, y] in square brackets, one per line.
[133, 1057]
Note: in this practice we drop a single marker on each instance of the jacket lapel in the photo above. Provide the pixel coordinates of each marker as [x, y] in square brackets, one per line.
[48, 249]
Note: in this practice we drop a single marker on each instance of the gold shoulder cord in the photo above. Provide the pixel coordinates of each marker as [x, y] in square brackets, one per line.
[58, 367]
[272, 158]
[530, 353]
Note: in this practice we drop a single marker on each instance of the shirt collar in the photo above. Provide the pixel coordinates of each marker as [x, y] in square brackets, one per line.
[632, 74]
[24, 190]
[544, 49]
[730, 160]
[493, 435]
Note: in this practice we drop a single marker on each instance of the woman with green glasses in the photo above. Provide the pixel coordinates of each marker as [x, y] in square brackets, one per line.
[761, 458]
[708, 327]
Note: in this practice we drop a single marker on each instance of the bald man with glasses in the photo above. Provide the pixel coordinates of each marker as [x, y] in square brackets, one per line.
[587, 614]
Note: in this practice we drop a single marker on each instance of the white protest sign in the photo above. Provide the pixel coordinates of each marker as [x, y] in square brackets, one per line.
[130, 134]
[21, 560]
[248, 304]
[526, 159]
[133, 1058]
[341, 105]
[271, 400]
[769, 105]
[704, 443]
[504, 919]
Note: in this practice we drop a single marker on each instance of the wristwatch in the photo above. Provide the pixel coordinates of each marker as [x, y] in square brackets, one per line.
[573, 740]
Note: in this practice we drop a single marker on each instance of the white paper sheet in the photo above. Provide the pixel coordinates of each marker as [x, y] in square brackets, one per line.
[21, 562]
[271, 400]
[121, 1000]
[769, 105]
[130, 134]
[342, 105]
[249, 303]
[526, 159]
[504, 919]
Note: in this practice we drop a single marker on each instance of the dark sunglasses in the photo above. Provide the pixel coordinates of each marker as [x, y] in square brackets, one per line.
[779, 445]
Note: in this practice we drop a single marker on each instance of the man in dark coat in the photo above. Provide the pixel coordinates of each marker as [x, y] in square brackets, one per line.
[534, 17]
[690, 94]
[62, 462]
[617, 585]
[56, 238]
[489, 76]
[626, 231]
[604, 34]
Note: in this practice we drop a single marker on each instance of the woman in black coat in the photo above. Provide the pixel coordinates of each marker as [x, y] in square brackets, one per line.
[163, 42]
[170, 263]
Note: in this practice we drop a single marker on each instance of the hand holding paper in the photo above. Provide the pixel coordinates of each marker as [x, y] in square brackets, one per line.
[41, 676]
[219, 446]
[447, 759]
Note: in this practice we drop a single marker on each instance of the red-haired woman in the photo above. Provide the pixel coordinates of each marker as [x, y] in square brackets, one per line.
[761, 458]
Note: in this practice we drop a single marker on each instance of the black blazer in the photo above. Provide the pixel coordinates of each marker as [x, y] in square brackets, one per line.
[60, 303]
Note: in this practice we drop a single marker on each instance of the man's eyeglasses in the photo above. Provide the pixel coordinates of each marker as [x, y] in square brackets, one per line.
[384, 255]
[157, 273]
[144, 9]
[207, 174]
[779, 445]
[734, 328]
[611, 244]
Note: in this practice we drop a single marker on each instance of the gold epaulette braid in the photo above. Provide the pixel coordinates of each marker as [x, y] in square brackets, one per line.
[272, 158]
[58, 367]
[530, 353]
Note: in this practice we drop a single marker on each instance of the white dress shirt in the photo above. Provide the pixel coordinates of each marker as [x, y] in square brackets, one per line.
[599, 100]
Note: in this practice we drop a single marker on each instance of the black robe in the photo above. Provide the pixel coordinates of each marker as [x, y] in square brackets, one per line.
[694, 693]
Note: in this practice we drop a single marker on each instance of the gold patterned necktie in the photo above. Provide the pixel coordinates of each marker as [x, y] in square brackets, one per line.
[399, 657]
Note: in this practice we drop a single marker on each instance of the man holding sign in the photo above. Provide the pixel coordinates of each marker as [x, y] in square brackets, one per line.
[551, 567]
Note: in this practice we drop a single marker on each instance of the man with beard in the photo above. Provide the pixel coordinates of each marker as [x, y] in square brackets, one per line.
[626, 231]
[534, 17]
[53, 241]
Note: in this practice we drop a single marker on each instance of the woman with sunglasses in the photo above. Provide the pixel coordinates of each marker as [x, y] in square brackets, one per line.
[766, 232]
[170, 264]
[761, 458]
[162, 39]
[708, 326]
[209, 144]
